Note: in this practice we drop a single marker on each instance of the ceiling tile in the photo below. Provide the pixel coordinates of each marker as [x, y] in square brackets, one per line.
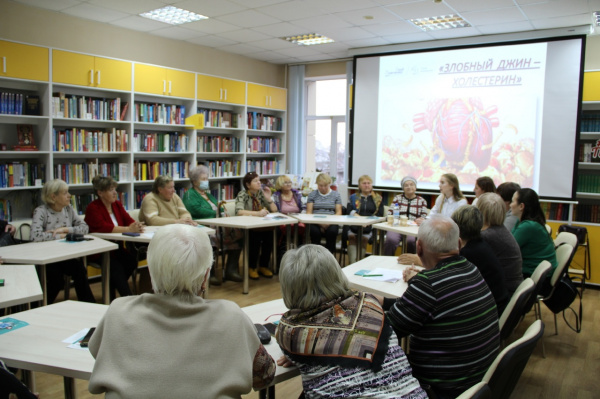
[316, 24]
[378, 15]
[289, 10]
[272, 44]
[248, 19]
[332, 47]
[491, 29]
[211, 26]
[138, 23]
[281, 29]
[470, 5]
[56, 5]
[346, 34]
[453, 33]
[94, 13]
[341, 5]
[504, 15]
[420, 10]
[558, 9]
[571, 20]
[258, 3]
[408, 38]
[299, 51]
[176, 32]
[395, 28]
[129, 6]
[244, 35]
[210, 8]
[375, 41]
[211, 41]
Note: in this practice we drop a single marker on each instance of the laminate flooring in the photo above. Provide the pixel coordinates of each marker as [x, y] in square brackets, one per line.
[571, 369]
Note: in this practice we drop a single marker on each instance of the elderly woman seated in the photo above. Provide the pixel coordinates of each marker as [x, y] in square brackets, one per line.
[183, 345]
[338, 338]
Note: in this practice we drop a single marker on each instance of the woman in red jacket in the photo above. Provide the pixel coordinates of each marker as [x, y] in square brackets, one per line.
[107, 215]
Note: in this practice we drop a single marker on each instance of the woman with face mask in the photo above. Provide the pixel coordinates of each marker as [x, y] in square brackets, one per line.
[201, 204]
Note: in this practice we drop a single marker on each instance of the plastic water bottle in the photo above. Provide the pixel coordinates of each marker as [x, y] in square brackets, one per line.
[396, 213]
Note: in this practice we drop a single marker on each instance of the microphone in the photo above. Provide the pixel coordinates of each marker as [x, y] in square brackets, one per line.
[74, 237]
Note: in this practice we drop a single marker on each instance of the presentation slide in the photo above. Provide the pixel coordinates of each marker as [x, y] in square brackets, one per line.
[504, 111]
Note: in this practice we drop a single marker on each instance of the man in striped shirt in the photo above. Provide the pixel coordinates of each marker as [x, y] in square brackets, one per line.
[449, 313]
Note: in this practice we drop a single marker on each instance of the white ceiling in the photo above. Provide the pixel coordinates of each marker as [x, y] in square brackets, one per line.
[253, 27]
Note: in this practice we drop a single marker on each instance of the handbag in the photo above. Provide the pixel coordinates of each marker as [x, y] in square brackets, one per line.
[562, 297]
[579, 231]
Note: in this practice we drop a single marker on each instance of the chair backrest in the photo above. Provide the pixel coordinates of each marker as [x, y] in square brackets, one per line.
[539, 277]
[566, 237]
[505, 371]
[229, 207]
[549, 229]
[23, 232]
[564, 254]
[515, 308]
[478, 391]
[135, 214]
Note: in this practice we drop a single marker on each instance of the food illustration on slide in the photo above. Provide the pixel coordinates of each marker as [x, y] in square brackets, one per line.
[465, 139]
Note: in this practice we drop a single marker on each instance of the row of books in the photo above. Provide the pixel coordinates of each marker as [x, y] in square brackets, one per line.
[589, 152]
[81, 173]
[140, 194]
[5, 210]
[586, 213]
[79, 202]
[83, 140]
[588, 183]
[82, 107]
[218, 144]
[264, 144]
[264, 167]
[22, 174]
[226, 168]
[149, 170]
[225, 192]
[259, 121]
[160, 142]
[160, 113]
[219, 118]
[11, 103]
[555, 211]
[590, 122]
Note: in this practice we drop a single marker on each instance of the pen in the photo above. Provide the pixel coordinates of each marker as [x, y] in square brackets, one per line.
[372, 275]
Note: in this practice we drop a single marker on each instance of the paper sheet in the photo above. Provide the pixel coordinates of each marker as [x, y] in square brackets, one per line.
[74, 339]
[387, 275]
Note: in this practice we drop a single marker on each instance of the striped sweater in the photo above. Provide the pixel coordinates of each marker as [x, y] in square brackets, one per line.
[450, 315]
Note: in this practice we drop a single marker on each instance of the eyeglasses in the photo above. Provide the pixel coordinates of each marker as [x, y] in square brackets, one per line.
[287, 183]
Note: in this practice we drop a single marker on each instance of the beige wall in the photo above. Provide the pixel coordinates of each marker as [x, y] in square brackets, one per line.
[47, 28]
[325, 69]
[592, 53]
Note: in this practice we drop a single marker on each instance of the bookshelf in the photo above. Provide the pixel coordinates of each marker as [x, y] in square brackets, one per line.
[126, 119]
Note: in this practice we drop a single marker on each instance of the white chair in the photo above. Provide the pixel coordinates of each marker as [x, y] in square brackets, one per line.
[564, 254]
[135, 214]
[478, 391]
[513, 312]
[565, 237]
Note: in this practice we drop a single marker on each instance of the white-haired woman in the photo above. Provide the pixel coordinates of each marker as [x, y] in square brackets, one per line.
[163, 206]
[324, 201]
[185, 346]
[53, 221]
[203, 205]
[338, 338]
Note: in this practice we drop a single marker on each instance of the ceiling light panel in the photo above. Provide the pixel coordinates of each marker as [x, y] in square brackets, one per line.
[173, 15]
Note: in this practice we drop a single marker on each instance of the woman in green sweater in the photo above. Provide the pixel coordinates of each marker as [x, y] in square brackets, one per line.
[530, 232]
[203, 205]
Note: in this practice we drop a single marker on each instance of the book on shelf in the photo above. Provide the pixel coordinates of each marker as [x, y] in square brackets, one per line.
[25, 139]
[5, 210]
[218, 144]
[260, 121]
[83, 140]
[221, 118]
[83, 107]
[124, 112]
[21, 174]
[160, 142]
[149, 170]
[160, 113]
[32, 105]
[11, 103]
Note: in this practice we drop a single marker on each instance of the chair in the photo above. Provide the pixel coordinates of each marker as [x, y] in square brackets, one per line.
[135, 214]
[478, 391]
[565, 237]
[564, 255]
[505, 371]
[549, 229]
[140, 250]
[515, 309]
[539, 277]
[570, 238]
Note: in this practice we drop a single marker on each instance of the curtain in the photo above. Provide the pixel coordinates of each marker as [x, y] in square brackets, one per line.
[296, 144]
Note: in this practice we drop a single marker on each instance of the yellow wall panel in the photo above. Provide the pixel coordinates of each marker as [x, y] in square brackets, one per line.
[150, 79]
[591, 86]
[23, 61]
[112, 74]
[181, 84]
[209, 88]
[72, 68]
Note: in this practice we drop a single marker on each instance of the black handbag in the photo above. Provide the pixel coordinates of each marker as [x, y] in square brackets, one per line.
[579, 231]
[562, 297]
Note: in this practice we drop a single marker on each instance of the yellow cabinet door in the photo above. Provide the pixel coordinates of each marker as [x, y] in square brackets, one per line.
[150, 79]
[72, 68]
[23, 61]
[277, 98]
[210, 88]
[234, 91]
[112, 74]
[258, 95]
[591, 86]
[181, 84]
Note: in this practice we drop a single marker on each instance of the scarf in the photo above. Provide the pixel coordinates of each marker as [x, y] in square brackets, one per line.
[255, 202]
[350, 331]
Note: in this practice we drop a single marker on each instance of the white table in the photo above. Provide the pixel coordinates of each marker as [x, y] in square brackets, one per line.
[248, 223]
[340, 220]
[46, 252]
[21, 285]
[144, 237]
[390, 290]
[410, 230]
[38, 346]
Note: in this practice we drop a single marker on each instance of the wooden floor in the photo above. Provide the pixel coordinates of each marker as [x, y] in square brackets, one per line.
[571, 369]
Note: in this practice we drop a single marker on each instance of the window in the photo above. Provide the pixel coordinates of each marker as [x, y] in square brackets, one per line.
[326, 126]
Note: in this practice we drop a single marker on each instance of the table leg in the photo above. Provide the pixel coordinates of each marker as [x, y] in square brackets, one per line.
[288, 233]
[296, 228]
[404, 244]
[359, 237]
[246, 260]
[381, 239]
[28, 378]
[106, 278]
[274, 255]
[70, 392]
[306, 233]
[42, 269]
[267, 393]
